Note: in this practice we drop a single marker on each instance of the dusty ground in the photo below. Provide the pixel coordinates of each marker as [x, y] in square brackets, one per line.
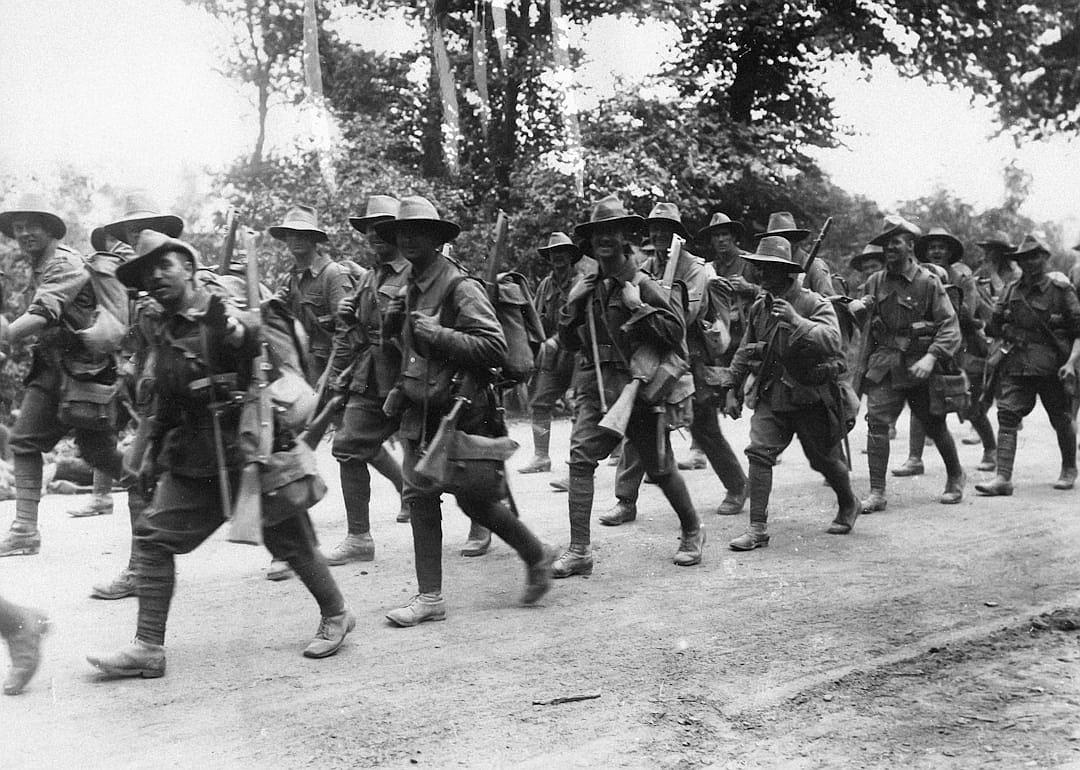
[908, 643]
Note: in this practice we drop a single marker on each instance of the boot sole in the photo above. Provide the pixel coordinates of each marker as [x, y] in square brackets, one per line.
[472, 552]
[80, 515]
[111, 596]
[399, 624]
[145, 673]
[993, 493]
[759, 544]
[28, 551]
[900, 473]
[585, 571]
[615, 522]
[340, 562]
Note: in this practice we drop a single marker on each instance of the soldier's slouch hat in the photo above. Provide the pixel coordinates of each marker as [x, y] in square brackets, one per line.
[33, 205]
[415, 210]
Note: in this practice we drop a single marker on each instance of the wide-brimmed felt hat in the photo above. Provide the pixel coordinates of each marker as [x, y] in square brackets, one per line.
[956, 249]
[1032, 246]
[609, 210]
[719, 221]
[782, 223]
[870, 251]
[142, 210]
[415, 210]
[379, 208]
[892, 225]
[33, 204]
[997, 240]
[299, 219]
[774, 250]
[152, 245]
[667, 213]
[559, 240]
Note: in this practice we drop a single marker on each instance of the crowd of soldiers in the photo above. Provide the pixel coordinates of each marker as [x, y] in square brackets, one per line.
[644, 335]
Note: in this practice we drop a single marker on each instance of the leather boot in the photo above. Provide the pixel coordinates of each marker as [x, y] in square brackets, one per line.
[479, 541]
[1066, 436]
[755, 536]
[330, 635]
[19, 542]
[279, 570]
[691, 545]
[622, 512]
[1001, 484]
[541, 462]
[954, 489]
[695, 462]
[420, 609]
[360, 547]
[988, 461]
[560, 484]
[1067, 479]
[120, 587]
[913, 466]
[848, 507]
[733, 503]
[99, 505]
[538, 578]
[24, 646]
[575, 560]
[137, 659]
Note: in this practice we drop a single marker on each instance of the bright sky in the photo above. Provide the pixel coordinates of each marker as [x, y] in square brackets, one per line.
[126, 89]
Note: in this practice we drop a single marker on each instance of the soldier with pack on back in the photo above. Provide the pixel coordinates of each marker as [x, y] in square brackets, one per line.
[70, 386]
[702, 298]
[451, 342]
[1036, 331]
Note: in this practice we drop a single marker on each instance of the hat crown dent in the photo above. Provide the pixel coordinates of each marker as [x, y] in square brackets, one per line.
[381, 206]
[139, 204]
[774, 246]
[559, 239]
[1032, 246]
[417, 207]
[665, 210]
[780, 221]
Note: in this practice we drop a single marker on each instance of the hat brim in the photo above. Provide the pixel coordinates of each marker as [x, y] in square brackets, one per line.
[956, 249]
[53, 224]
[706, 232]
[765, 259]
[1006, 247]
[1038, 251]
[883, 238]
[545, 250]
[361, 224]
[794, 236]
[97, 239]
[675, 224]
[633, 222]
[166, 224]
[859, 260]
[388, 229]
[280, 232]
[130, 273]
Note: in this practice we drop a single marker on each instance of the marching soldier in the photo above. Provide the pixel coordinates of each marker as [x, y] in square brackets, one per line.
[939, 247]
[316, 284]
[555, 369]
[702, 300]
[613, 319]
[997, 268]
[364, 369]
[140, 213]
[818, 277]
[449, 332]
[1036, 328]
[867, 262]
[913, 330]
[793, 345]
[60, 306]
[203, 352]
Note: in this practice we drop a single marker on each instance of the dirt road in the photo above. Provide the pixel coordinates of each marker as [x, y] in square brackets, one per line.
[907, 643]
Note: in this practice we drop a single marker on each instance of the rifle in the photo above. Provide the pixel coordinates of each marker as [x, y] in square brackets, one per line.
[246, 525]
[817, 244]
[435, 462]
[591, 316]
[215, 420]
[496, 256]
[232, 224]
[672, 266]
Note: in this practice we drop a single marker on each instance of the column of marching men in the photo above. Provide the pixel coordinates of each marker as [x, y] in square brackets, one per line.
[636, 333]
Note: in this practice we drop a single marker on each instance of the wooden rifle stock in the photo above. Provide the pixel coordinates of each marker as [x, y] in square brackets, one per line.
[817, 244]
[246, 524]
[672, 266]
[434, 464]
[232, 224]
[617, 418]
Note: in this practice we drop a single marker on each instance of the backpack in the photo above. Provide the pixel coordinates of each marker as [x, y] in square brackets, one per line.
[112, 314]
[286, 348]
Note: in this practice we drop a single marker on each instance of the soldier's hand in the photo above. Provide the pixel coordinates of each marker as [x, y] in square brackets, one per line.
[783, 310]
[741, 285]
[216, 319]
[425, 327]
[723, 282]
[923, 368]
[631, 295]
[346, 309]
[732, 407]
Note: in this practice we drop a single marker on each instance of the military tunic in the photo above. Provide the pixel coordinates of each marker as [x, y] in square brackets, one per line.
[312, 294]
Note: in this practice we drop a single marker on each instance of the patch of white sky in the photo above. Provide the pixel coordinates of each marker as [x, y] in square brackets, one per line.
[128, 91]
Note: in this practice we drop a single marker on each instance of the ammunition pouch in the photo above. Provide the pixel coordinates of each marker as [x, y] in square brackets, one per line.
[427, 380]
[949, 393]
[290, 483]
[663, 378]
[88, 396]
[476, 465]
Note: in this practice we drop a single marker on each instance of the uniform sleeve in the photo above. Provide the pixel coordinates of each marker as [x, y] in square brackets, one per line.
[338, 285]
[1071, 320]
[572, 314]
[740, 364]
[947, 338]
[476, 339]
[61, 281]
[657, 320]
[819, 278]
[820, 329]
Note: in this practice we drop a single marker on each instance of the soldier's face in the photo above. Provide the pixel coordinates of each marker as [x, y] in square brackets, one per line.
[938, 252]
[1033, 266]
[871, 266]
[383, 250]
[775, 280]
[608, 242]
[168, 278]
[898, 250]
[418, 243]
[31, 235]
[660, 236]
[561, 258]
[301, 246]
[723, 242]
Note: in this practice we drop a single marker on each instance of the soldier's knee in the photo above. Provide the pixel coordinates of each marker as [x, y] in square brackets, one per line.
[1008, 420]
[877, 428]
[761, 455]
